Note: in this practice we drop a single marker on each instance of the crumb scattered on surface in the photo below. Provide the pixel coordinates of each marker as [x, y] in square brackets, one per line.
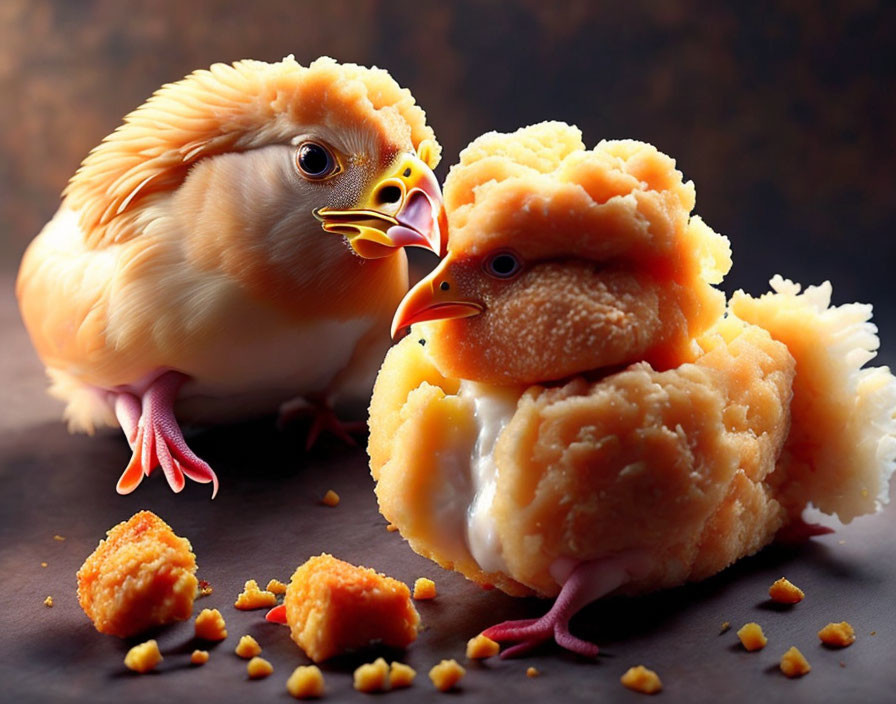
[837, 635]
[372, 676]
[446, 675]
[306, 682]
[247, 648]
[726, 626]
[424, 589]
[48, 601]
[785, 592]
[43, 564]
[874, 633]
[532, 672]
[841, 542]
[391, 527]
[60, 538]
[752, 637]
[275, 586]
[479, 647]
[254, 598]
[205, 589]
[640, 679]
[210, 625]
[401, 675]
[793, 664]
[199, 657]
[258, 668]
[143, 657]
[331, 498]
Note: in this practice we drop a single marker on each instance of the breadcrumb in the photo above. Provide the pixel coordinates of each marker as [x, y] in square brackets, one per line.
[480, 647]
[793, 664]
[726, 626]
[306, 682]
[372, 676]
[258, 668]
[838, 635]
[784, 592]
[752, 637]
[43, 564]
[640, 679]
[210, 625]
[446, 675]
[205, 589]
[143, 657]
[254, 598]
[275, 586]
[199, 657]
[331, 498]
[401, 675]
[247, 648]
[424, 589]
[48, 601]
[532, 672]
[60, 538]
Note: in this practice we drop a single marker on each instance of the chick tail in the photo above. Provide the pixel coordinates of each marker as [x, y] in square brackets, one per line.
[87, 407]
[841, 449]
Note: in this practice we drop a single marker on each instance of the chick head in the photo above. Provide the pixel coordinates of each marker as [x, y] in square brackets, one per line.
[563, 261]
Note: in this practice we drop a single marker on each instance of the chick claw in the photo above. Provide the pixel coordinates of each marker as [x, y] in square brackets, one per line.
[324, 418]
[156, 439]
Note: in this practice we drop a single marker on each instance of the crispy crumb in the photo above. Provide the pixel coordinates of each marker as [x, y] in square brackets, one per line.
[372, 676]
[199, 657]
[446, 675]
[275, 586]
[532, 672]
[60, 538]
[480, 647]
[837, 635]
[205, 589]
[247, 648]
[424, 589]
[874, 633]
[258, 668]
[784, 592]
[640, 679]
[48, 601]
[391, 527]
[43, 564]
[793, 664]
[143, 657]
[401, 675]
[331, 498]
[726, 626]
[210, 625]
[254, 598]
[306, 682]
[752, 637]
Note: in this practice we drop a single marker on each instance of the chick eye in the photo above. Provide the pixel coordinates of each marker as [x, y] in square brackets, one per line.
[503, 265]
[315, 161]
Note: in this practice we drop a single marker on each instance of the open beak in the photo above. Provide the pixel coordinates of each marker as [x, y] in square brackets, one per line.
[433, 298]
[403, 209]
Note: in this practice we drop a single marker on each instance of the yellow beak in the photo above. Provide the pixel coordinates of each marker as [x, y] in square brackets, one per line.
[403, 209]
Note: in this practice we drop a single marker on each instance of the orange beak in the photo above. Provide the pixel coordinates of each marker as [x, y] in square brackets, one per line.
[434, 298]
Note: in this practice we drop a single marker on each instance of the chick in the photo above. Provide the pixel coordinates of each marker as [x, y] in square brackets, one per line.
[234, 245]
[576, 412]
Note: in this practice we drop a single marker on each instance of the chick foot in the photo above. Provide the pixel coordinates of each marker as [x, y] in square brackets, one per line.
[323, 418]
[156, 439]
[583, 582]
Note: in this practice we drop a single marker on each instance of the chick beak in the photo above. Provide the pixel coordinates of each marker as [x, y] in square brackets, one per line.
[434, 298]
[403, 209]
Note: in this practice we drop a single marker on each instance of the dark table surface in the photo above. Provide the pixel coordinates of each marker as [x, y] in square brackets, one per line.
[267, 519]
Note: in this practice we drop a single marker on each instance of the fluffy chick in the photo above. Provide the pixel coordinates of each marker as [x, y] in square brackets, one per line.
[572, 415]
[236, 243]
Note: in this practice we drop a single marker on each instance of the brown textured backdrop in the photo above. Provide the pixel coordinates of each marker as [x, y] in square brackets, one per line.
[781, 112]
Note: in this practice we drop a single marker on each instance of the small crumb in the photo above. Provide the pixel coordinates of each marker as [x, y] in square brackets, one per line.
[205, 589]
[391, 527]
[210, 625]
[401, 675]
[199, 657]
[306, 682]
[752, 637]
[841, 542]
[372, 676]
[48, 601]
[143, 657]
[532, 672]
[258, 668]
[424, 589]
[275, 586]
[43, 564]
[247, 648]
[784, 592]
[331, 498]
[640, 679]
[837, 635]
[446, 675]
[726, 626]
[480, 647]
[793, 664]
[874, 633]
[60, 538]
[842, 664]
[254, 598]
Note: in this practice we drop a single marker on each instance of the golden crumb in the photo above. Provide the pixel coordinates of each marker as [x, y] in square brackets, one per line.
[532, 672]
[331, 498]
[640, 679]
[793, 664]
[372, 676]
[481, 646]
[784, 592]
[306, 682]
[752, 637]
[401, 675]
[874, 633]
[60, 538]
[199, 657]
[205, 589]
[391, 527]
[43, 564]
[143, 657]
[275, 586]
[446, 675]
[254, 598]
[838, 635]
[258, 668]
[726, 626]
[424, 589]
[48, 601]
[247, 648]
[210, 625]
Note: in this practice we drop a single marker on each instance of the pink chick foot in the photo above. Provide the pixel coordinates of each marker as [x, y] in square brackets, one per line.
[583, 583]
[156, 439]
[323, 419]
